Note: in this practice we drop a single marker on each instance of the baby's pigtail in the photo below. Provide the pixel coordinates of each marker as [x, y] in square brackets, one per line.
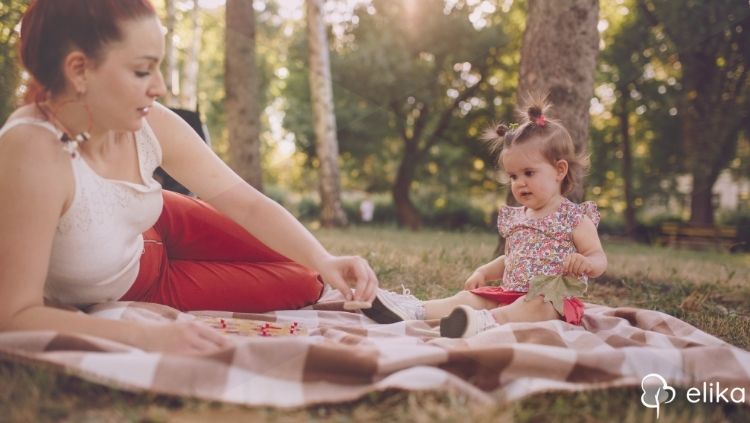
[533, 110]
[494, 137]
[536, 115]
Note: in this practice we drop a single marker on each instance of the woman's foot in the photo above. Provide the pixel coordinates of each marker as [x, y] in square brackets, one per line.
[390, 307]
[464, 322]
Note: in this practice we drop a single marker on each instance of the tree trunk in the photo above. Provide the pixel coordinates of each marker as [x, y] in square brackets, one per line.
[170, 56]
[407, 213]
[10, 72]
[321, 94]
[189, 92]
[702, 168]
[701, 201]
[627, 165]
[241, 85]
[558, 56]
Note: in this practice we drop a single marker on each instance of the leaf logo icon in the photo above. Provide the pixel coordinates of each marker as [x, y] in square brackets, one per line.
[656, 391]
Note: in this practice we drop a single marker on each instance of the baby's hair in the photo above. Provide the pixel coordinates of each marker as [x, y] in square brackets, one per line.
[536, 126]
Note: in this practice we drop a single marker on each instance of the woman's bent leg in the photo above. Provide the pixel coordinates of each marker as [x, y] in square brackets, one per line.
[193, 230]
[236, 286]
[195, 258]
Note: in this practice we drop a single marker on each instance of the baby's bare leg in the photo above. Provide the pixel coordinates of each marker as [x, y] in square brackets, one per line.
[534, 310]
[437, 309]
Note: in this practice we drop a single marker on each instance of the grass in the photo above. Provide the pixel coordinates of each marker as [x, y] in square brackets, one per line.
[708, 290]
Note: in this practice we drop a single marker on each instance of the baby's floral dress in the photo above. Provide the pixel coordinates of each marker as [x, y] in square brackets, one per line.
[536, 250]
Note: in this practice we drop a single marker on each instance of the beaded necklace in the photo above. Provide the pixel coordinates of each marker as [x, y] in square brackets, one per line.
[70, 143]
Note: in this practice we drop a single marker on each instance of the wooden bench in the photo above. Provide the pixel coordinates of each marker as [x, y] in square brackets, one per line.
[721, 238]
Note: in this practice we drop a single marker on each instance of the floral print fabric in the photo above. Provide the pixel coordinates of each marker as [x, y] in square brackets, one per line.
[539, 246]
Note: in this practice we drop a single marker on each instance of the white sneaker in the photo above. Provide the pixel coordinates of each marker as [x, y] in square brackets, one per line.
[390, 307]
[464, 322]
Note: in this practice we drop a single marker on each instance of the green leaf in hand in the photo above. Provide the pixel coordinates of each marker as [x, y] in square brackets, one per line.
[555, 289]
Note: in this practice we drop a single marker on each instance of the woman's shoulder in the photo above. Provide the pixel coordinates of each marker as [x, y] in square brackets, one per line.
[26, 113]
[33, 161]
[27, 136]
[163, 124]
[28, 119]
[161, 119]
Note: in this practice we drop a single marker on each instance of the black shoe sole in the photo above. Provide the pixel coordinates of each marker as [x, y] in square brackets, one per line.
[454, 326]
[381, 314]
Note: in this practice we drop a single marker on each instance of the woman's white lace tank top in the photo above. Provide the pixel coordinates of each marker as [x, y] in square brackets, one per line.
[98, 244]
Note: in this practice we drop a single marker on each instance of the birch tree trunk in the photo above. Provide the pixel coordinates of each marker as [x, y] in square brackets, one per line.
[241, 87]
[558, 56]
[170, 56]
[623, 115]
[321, 93]
[189, 92]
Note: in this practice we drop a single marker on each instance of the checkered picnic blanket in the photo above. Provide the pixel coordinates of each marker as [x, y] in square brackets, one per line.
[324, 354]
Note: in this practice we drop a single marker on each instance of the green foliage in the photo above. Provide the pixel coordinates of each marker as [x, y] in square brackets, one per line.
[394, 62]
[10, 16]
[711, 42]
[308, 208]
[277, 194]
[396, 65]
[211, 93]
[647, 70]
[632, 79]
[452, 212]
[445, 212]
[211, 77]
[741, 220]
[611, 225]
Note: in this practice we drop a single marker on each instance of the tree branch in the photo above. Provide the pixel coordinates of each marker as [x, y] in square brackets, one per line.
[445, 117]
[400, 126]
[419, 125]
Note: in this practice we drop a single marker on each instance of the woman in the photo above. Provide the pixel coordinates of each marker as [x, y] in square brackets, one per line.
[84, 222]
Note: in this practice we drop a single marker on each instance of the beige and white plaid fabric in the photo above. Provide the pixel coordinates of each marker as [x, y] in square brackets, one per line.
[342, 356]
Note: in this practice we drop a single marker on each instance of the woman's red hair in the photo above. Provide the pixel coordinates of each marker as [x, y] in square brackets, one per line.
[50, 29]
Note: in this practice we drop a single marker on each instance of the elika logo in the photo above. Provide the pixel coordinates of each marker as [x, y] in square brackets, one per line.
[656, 391]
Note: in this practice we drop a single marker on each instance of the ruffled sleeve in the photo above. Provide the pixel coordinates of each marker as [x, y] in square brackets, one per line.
[504, 220]
[589, 209]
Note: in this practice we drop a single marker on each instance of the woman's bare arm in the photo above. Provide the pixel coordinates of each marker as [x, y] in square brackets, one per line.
[192, 163]
[36, 182]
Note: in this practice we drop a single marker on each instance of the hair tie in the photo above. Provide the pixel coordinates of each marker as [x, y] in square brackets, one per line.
[501, 130]
[540, 121]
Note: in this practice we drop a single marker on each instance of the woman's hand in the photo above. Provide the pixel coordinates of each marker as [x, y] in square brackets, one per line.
[578, 265]
[474, 281]
[183, 338]
[344, 272]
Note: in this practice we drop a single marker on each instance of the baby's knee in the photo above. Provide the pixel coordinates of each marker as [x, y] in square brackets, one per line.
[474, 300]
[464, 296]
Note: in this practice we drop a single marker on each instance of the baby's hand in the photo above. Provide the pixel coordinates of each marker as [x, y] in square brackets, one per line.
[474, 281]
[578, 265]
